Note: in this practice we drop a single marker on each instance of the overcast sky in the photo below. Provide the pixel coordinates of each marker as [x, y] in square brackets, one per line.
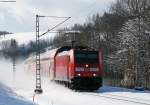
[20, 16]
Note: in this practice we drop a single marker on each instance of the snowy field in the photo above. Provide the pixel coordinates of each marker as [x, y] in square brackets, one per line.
[25, 38]
[22, 82]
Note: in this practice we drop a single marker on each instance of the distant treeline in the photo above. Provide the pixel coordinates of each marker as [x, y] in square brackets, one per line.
[10, 48]
[3, 33]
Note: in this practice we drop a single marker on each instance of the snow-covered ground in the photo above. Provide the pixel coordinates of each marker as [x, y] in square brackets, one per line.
[55, 94]
[8, 97]
[59, 95]
[22, 82]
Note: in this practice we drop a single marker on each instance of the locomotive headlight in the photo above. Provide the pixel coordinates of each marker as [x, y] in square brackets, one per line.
[94, 75]
[79, 75]
[86, 65]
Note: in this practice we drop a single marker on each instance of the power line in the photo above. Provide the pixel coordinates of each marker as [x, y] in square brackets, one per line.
[55, 26]
[52, 16]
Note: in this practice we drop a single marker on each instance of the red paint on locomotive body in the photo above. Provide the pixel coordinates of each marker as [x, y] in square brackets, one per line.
[62, 68]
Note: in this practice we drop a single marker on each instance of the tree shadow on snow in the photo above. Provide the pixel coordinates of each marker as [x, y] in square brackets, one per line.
[109, 89]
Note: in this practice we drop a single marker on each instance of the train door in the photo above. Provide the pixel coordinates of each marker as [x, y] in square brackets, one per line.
[51, 70]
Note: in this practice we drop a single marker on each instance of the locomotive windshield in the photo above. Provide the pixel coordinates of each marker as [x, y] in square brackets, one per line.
[86, 56]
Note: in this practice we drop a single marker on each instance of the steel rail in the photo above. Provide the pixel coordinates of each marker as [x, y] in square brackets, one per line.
[121, 98]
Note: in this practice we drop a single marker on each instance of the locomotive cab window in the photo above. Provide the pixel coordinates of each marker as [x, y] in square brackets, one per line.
[86, 56]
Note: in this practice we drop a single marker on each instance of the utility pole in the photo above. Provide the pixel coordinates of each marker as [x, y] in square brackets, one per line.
[38, 89]
[14, 64]
[38, 75]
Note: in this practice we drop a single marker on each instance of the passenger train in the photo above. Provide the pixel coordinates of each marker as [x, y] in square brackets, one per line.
[77, 68]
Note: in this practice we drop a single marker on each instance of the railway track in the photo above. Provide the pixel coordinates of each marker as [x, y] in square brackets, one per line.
[121, 98]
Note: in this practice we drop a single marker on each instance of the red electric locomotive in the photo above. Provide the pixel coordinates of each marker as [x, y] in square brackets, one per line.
[77, 68]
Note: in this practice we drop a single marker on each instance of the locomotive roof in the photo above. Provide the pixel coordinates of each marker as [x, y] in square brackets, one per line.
[68, 48]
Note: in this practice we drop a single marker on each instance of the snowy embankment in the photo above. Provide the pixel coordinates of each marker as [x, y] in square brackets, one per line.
[105, 96]
[25, 37]
[7, 97]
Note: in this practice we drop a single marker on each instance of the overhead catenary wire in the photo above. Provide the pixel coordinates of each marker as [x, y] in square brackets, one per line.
[49, 30]
[67, 18]
[75, 16]
[8, 1]
[52, 16]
